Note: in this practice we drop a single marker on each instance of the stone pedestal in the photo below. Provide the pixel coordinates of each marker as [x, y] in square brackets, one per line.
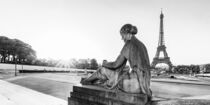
[93, 95]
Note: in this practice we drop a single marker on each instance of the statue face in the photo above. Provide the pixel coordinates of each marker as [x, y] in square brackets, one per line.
[126, 36]
[123, 35]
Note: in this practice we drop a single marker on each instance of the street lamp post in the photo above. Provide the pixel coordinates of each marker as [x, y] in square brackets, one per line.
[15, 66]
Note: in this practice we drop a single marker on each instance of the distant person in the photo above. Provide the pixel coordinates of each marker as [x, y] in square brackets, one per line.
[113, 75]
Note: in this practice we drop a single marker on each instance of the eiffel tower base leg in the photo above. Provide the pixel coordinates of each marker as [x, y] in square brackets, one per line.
[162, 60]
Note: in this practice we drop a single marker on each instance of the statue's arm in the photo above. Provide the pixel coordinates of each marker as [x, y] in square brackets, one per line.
[121, 59]
[116, 64]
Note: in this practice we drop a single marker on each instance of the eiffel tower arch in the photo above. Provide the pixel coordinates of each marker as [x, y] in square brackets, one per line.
[161, 48]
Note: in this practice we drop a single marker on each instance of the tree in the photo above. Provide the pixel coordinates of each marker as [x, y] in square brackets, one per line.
[5, 43]
[93, 64]
[83, 64]
[11, 48]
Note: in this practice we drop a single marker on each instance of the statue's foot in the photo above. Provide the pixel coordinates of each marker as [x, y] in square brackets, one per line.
[82, 79]
[85, 82]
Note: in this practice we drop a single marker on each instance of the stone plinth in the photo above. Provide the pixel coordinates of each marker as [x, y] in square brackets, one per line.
[93, 95]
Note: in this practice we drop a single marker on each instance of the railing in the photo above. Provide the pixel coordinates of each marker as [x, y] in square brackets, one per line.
[11, 68]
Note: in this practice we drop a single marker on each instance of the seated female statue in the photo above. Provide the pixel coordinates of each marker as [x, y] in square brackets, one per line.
[114, 75]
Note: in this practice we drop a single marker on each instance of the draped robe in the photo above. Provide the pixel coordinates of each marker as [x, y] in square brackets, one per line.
[135, 52]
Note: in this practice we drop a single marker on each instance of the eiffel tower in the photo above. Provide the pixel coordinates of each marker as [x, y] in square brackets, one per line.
[161, 48]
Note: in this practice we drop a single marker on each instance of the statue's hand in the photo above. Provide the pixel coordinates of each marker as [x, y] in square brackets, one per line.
[126, 68]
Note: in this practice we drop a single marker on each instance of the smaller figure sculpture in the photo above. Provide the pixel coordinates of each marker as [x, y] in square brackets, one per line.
[116, 75]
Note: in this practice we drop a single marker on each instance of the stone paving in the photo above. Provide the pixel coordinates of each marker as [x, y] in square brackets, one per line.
[11, 94]
[60, 84]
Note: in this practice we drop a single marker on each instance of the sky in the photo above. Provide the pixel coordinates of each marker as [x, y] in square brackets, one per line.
[65, 29]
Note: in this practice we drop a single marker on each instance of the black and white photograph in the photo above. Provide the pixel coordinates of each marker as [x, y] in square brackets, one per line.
[104, 52]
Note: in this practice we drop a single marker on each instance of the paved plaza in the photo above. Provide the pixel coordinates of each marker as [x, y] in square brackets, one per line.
[11, 94]
[48, 88]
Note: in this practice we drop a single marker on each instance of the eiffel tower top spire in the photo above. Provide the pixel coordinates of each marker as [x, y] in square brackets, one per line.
[161, 34]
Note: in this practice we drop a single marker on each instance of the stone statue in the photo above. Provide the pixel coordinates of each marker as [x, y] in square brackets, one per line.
[115, 75]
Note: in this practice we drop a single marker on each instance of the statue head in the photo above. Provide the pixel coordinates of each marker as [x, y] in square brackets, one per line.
[127, 31]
